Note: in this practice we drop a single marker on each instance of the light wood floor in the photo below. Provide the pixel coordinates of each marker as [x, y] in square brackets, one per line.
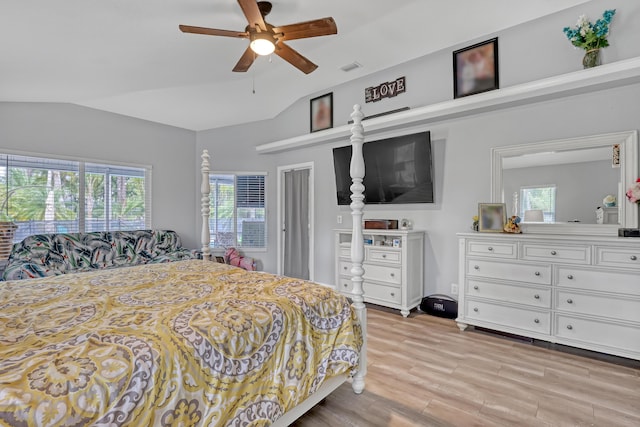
[422, 371]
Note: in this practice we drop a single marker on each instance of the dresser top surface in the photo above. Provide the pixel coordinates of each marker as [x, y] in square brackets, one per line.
[632, 241]
[381, 232]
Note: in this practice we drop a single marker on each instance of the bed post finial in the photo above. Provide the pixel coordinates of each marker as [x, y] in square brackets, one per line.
[357, 242]
[205, 190]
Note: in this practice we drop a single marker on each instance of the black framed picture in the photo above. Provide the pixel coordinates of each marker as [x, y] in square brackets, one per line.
[321, 109]
[475, 69]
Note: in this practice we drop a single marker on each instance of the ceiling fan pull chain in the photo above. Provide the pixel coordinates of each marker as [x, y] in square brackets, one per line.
[253, 78]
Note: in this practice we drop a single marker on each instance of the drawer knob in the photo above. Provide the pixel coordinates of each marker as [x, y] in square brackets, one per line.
[346, 285]
[345, 268]
[569, 301]
[633, 257]
[490, 248]
[570, 277]
[536, 296]
[477, 267]
[475, 309]
[537, 273]
[384, 255]
[393, 275]
[393, 294]
[476, 287]
[554, 253]
[536, 320]
[569, 327]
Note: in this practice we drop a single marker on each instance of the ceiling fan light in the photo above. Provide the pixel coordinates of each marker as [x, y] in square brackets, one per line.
[262, 46]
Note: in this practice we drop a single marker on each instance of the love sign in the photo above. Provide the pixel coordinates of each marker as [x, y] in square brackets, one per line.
[385, 90]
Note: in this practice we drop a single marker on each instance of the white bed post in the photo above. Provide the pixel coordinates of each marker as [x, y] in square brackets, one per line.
[205, 190]
[357, 242]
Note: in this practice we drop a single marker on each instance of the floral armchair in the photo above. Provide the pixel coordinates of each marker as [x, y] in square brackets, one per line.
[43, 255]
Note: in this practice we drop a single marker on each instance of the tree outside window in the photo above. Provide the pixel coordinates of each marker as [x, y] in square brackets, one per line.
[43, 195]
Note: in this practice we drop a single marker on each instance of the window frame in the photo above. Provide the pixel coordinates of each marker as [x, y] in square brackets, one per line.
[212, 231]
[82, 162]
[538, 187]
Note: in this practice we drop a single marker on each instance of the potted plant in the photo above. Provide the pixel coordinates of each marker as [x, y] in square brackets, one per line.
[590, 36]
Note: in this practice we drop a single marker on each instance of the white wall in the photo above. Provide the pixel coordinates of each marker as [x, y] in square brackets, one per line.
[462, 148]
[74, 131]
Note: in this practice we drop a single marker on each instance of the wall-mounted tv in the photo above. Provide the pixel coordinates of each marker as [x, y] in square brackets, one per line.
[397, 170]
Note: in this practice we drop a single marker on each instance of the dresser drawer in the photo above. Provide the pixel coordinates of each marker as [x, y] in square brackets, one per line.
[605, 281]
[376, 255]
[493, 249]
[598, 305]
[532, 273]
[618, 257]
[597, 332]
[539, 297]
[380, 273]
[575, 254]
[344, 285]
[374, 291]
[516, 317]
[344, 267]
[344, 252]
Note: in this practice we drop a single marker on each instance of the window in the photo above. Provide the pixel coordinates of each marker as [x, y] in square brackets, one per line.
[43, 195]
[238, 213]
[114, 198]
[540, 197]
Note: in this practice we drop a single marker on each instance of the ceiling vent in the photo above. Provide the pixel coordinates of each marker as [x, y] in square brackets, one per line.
[350, 67]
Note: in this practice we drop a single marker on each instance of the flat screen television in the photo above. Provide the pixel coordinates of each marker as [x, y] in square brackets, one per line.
[397, 170]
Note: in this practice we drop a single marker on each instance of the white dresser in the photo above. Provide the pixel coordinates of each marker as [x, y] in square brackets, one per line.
[393, 274]
[578, 291]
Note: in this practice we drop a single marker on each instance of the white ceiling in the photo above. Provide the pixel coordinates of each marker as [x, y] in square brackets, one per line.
[128, 56]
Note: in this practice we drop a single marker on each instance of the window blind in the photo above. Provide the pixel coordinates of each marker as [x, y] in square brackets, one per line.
[238, 213]
[48, 195]
[250, 191]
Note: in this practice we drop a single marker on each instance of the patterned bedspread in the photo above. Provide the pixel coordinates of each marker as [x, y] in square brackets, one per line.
[188, 343]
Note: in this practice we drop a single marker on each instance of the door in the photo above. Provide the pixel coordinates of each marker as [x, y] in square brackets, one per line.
[295, 216]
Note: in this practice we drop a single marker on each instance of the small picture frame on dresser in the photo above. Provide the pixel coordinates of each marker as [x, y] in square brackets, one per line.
[492, 217]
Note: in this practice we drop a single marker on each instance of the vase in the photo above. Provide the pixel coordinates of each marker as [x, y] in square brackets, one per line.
[591, 58]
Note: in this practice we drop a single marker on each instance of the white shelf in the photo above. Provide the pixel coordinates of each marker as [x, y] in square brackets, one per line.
[617, 74]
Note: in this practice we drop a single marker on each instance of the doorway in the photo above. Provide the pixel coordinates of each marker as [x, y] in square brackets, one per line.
[295, 221]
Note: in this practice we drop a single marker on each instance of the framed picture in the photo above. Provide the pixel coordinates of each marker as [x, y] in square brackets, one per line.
[322, 112]
[492, 217]
[220, 259]
[475, 68]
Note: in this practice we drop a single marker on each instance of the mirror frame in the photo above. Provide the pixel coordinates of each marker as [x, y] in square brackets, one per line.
[628, 214]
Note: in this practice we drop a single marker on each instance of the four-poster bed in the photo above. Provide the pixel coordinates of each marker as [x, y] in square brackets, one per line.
[180, 343]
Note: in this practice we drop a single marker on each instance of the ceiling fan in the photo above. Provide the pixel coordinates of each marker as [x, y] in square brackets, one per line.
[266, 38]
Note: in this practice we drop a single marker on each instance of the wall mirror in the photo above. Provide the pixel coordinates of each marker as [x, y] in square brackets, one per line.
[557, 186]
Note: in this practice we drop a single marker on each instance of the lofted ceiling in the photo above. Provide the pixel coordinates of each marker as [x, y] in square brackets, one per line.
[128, 56]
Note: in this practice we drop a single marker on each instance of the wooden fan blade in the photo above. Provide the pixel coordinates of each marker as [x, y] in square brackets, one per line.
[294, 58]
[213, 32]
[303, 30]
[252, 12]
[245, 61]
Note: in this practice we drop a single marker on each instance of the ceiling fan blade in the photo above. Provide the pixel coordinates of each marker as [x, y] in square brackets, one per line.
[213, 32]
[294, 58]
[252, 12]
[245, 61]
[303, 30]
